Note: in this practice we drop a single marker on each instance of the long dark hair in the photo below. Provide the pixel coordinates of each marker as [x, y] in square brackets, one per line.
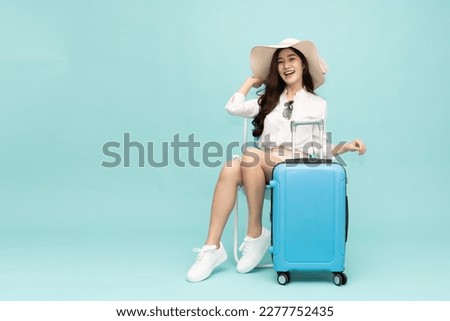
[274, 87]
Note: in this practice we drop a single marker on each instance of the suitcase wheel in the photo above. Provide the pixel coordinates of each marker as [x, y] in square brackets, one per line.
[340, 278]
[283, 278]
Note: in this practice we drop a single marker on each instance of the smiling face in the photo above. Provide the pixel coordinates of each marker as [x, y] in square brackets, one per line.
[290, 68]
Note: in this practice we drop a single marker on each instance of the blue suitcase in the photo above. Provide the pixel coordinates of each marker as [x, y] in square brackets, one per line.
[309, 214]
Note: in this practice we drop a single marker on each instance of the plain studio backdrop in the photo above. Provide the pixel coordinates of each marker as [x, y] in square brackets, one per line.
[76, 75]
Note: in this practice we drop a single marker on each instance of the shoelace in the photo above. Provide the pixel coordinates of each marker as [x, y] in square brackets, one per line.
[244, 246]
[201, 251]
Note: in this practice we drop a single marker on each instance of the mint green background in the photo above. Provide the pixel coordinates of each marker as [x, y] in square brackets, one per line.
[77, 74]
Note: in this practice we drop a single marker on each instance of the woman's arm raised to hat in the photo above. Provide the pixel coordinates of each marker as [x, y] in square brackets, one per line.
[237, 104]
[249, 83]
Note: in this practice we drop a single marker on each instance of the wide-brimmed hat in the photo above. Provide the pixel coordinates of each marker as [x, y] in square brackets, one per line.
[261, 57]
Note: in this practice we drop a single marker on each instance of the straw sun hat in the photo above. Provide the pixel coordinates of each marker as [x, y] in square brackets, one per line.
[261, 56]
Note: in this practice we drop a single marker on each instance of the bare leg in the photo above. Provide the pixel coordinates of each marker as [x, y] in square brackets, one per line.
[254, 171]
[223, 200]
[256, 167]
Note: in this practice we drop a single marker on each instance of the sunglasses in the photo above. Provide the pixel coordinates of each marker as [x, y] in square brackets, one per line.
[287, 112]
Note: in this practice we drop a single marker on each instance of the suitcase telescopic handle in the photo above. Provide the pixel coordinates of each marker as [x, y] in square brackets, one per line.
[319, 123]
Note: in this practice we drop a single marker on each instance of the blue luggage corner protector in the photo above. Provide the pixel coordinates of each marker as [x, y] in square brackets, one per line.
[309, 218]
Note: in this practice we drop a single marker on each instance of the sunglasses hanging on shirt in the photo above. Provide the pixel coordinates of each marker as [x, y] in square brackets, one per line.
[287, 112]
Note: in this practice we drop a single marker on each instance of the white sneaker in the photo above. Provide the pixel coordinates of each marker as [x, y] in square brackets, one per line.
[253, 250]
[208, 258]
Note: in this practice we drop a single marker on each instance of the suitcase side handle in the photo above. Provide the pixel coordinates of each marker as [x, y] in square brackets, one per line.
[319, 123]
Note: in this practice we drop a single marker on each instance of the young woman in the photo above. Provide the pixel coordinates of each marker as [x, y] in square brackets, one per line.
[290, 71]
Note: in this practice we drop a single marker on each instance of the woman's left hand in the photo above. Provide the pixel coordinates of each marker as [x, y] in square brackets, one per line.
[356, 146]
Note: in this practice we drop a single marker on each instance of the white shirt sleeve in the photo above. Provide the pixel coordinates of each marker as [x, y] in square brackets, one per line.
[239, 107]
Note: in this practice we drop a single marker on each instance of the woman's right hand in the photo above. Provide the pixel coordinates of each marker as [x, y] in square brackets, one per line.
[249, 83]
[256, 82]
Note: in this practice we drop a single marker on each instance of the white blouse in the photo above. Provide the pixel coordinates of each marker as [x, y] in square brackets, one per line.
[277, 132]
